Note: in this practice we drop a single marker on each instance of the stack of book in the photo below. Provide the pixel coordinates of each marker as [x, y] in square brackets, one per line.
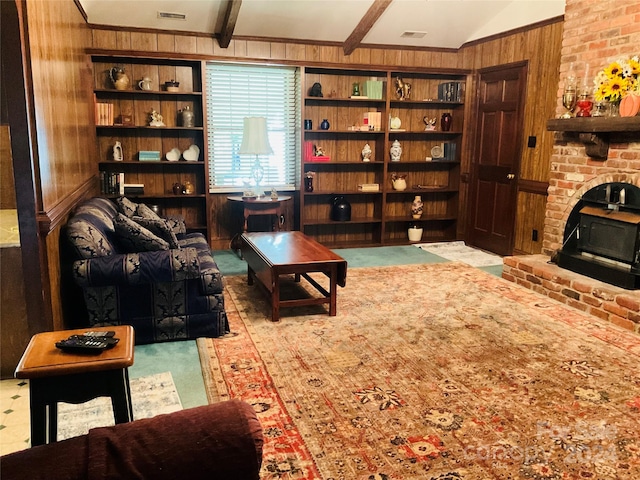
[149, 156]
[373, 89]
[104, 113]
[310, 154]
[111, 183]
[451, 92]
[372, 120]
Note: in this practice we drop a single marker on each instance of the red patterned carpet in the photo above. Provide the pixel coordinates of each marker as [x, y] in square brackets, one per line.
[432, 372]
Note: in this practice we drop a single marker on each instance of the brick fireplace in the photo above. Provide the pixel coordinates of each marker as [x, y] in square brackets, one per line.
[596, 32]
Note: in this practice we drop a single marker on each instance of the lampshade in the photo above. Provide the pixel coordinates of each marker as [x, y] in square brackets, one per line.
[254, 137]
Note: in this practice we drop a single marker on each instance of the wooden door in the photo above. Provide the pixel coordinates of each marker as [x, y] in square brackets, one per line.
[496, 160]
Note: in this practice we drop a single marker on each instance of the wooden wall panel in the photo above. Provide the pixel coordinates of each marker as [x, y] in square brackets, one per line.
[540, 46]
[61, 77]
[531, 214]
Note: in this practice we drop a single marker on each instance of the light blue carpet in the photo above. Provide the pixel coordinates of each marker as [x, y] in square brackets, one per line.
[179, 358]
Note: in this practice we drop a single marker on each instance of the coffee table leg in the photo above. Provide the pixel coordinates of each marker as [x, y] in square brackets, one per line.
[275, 298]
[333, 292]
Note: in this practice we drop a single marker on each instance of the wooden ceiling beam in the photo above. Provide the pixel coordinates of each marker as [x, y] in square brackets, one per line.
[366, 23]
[229, 23]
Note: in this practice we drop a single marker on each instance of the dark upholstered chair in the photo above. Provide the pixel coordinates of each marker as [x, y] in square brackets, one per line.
[222, 441]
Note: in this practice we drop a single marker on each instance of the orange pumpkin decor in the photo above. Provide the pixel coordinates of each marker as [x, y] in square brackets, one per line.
[630, 105]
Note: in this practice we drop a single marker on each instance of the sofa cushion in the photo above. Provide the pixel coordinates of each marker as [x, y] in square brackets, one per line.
[135, 238]
[126, 206]
[158, 227]
[145, 212]
[89, 235]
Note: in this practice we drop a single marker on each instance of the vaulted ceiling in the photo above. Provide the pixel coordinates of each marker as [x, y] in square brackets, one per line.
[399, 23]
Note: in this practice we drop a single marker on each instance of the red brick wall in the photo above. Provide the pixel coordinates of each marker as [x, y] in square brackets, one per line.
[596, 32]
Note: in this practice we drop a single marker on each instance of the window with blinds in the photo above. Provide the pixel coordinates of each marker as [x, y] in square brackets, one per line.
[236, 91]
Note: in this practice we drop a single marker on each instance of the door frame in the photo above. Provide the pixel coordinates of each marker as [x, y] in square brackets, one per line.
[473, 145]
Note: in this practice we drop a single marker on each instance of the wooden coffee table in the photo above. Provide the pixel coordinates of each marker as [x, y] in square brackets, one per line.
[272, 254]
[57, 376]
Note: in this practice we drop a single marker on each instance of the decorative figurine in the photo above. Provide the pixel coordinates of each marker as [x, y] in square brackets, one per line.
[274, 193]
[155, 119]
[316, 90]
[403, 89]
[429, 123]
[318, 151]
[366, 153]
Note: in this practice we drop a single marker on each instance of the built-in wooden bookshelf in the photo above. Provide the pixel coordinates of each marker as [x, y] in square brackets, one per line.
[130, 126]
[381, 217]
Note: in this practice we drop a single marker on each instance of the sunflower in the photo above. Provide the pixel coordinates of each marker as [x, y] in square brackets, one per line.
[617, 80]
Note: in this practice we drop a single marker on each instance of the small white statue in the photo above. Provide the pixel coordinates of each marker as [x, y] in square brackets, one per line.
[366, 153]
[156, 119]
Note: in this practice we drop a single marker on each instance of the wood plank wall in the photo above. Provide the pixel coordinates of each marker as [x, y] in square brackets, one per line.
[541, 48]
[539, 45]
[62, 145]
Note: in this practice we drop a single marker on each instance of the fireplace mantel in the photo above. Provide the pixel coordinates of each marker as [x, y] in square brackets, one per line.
[596, 132]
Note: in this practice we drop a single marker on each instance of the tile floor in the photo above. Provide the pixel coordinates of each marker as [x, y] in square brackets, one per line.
[14, 415]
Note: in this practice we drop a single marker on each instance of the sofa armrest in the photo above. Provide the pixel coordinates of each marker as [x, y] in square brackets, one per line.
[137, 268]
[223, 440]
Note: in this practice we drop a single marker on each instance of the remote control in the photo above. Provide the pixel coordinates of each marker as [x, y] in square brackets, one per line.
[110, 333]
[86, 344]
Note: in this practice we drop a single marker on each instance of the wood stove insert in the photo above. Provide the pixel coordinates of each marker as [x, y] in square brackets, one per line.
[602, 235]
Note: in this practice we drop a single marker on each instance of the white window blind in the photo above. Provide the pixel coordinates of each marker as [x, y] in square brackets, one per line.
[236, 91]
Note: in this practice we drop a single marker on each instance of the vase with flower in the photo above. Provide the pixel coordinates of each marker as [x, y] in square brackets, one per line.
[308, 181]
[616, 81]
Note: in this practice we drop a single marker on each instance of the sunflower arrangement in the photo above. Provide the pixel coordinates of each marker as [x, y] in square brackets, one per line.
[618, 80]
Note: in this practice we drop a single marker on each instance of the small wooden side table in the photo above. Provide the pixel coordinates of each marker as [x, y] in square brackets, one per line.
[57, 376]
[261, 206]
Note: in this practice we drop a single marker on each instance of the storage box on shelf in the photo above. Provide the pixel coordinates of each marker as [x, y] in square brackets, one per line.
[383, 216]
[128, 121]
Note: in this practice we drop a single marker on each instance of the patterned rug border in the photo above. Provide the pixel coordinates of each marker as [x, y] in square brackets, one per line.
[245, 337]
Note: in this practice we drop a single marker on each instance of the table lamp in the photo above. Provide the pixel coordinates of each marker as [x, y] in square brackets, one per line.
[255, 141]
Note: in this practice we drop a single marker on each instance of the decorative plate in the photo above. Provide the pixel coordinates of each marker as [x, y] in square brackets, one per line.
[436, 152]
[395, 123]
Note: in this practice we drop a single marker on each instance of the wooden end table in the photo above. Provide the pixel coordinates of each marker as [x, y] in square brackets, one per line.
[271, 254]
[261, 206]
[57, 376]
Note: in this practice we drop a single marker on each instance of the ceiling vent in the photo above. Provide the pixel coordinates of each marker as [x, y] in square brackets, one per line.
[413, 34]
[172, 15]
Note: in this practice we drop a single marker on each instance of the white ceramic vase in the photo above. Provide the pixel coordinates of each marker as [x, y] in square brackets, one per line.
[395, 151]
[416, 207]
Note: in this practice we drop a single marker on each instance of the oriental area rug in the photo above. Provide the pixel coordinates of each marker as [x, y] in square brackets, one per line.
[437, 372]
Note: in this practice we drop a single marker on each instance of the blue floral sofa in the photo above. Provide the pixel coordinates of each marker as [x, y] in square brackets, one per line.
[136, 268]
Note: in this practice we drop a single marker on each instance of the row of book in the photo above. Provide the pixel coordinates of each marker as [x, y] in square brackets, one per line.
[104, 113]
[112, 183]
[451, 92]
